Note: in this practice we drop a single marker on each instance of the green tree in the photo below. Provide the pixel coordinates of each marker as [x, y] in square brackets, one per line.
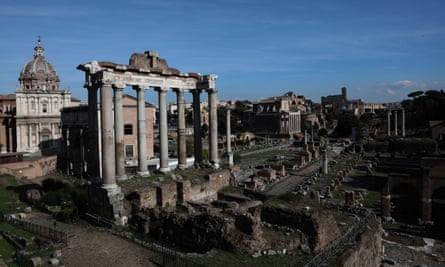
[345, 122]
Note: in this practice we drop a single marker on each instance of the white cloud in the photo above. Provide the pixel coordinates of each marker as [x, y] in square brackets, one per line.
[404, 87]
[390, 91]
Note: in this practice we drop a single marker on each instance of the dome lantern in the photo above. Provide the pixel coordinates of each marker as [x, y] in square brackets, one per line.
[38, 74]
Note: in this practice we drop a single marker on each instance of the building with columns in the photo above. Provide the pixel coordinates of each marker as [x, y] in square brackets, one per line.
[279, 116]
[145, 71]
[396, 113]
[38, 104]
[74, 145]
[8, 140]
[106, 151]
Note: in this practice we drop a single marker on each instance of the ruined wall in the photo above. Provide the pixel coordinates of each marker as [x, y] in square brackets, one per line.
[30, 168]
[360, 245]
[147, 197]
[184, 189]
[166, 194]
[366, 251]
[169, 193]
[209, 189]
[319, 225]
[200, 232]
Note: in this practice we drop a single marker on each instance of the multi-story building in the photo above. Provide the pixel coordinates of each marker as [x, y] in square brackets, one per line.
[279, 116]
[338, 103]
[8, 141]
[74, 145]
[38, 104]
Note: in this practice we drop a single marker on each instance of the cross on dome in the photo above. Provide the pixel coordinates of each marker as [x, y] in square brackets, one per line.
[39, 50]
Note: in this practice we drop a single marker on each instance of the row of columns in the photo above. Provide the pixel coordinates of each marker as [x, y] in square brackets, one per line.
[112, 145]
[395, 122]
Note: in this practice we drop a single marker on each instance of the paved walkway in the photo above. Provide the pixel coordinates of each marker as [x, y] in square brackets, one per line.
[288, 184]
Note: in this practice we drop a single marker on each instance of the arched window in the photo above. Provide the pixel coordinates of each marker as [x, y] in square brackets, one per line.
[45, 107]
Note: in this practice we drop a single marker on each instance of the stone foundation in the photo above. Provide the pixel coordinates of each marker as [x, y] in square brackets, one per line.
[171, 193]
[106, 204]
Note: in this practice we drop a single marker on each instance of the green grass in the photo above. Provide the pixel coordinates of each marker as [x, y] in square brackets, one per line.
[9, 200]
[219, 258]
[7, 252]
[15, 230]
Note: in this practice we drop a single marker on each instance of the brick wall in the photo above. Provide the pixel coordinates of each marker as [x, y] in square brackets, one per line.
[168, 194]
[30, 168]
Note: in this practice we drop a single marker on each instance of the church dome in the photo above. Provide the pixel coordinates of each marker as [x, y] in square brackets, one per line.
[38, 74]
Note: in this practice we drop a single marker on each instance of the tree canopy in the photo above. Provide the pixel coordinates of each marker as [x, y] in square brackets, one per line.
[423, 107]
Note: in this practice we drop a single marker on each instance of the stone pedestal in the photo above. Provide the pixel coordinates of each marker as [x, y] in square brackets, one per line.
[106, 204]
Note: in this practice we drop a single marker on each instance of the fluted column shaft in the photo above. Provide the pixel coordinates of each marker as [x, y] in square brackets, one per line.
[163, 129]
[389, 123]
[213, 127]
[108, 149]
[142, 132]
[197, 126]
[93, 166]
[182, 149]
[119, 134]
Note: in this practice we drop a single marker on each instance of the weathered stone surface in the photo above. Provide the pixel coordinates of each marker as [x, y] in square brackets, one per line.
[319, 225]
[366, 251]
[53, 262]
[201, 232]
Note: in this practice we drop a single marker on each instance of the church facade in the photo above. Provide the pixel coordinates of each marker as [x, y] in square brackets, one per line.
[38, 104]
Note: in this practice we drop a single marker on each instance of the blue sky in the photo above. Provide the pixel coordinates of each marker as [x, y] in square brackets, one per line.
[379, 50]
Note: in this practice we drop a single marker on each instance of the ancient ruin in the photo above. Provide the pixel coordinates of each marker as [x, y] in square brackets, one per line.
[106, 156]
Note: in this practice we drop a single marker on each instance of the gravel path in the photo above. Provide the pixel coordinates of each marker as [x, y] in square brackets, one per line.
[91, 247]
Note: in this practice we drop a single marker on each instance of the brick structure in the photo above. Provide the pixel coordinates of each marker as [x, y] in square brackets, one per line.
[431, 180]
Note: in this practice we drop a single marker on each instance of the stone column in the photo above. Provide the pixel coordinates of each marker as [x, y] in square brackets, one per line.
[213, 127]
[119, 134]
[403, 122]
[142, 132]
[108, 149]
[197, 126]
[325, 162]
[395, 122]
[229, 139]
[163, 130]
[389, 122]
[182, 149]
[93, 164]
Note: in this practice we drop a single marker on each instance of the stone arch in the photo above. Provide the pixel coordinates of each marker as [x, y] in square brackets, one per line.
[405, 202]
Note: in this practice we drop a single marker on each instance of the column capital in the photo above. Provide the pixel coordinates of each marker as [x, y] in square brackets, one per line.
[161, 89]
[106, 82]
[179, 90]
[211, 90]
[118, 87]
[139, 88]
[92, 87]
[196, 91]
